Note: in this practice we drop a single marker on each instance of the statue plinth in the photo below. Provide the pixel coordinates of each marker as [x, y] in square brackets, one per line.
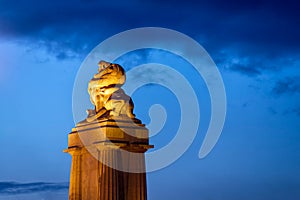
[115, 130]
[108, 160]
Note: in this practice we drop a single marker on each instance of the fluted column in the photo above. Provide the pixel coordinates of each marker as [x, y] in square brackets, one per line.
[75, 176]
[135, 179]
[111, 185]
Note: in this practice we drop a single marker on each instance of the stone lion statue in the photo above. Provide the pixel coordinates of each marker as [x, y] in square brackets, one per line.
[106, 93]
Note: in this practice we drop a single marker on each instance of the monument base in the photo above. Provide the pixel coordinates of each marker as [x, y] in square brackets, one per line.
[108, 160]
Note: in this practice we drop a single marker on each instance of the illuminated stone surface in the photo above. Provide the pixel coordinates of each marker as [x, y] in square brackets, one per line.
[108, 147]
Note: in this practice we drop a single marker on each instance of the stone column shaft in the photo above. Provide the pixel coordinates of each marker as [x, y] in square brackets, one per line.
[75, 176]
[110, 179]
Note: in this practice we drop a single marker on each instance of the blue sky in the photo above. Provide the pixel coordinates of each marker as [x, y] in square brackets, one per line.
[255, 45]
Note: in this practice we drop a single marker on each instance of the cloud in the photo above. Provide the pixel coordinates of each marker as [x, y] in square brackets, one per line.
[244, 69]
[11, 188]
[249, 27]
[256, 65]
[287, 85]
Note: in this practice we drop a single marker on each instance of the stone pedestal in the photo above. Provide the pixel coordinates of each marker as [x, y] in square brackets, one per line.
[108, 160]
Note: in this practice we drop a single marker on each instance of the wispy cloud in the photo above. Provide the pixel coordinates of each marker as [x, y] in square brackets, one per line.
[12, 188]
[287, 85]
[245, 69]
[253, 64]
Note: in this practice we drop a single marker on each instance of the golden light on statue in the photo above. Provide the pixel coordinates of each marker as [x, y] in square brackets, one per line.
[106, 93]
[108, 147]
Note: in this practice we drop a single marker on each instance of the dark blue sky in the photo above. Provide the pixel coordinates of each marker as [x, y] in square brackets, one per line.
[255, 45]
